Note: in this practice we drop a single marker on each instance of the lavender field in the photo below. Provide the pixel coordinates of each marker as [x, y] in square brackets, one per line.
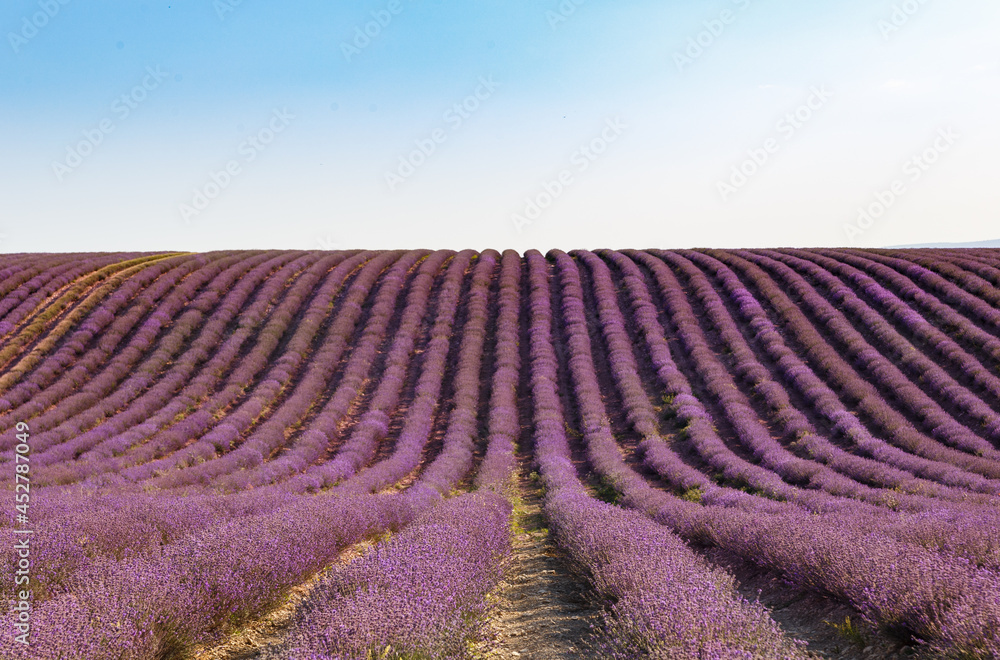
[190, 443]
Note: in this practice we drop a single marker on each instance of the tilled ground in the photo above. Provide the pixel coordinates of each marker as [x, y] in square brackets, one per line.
[543, 610]
[820, 622]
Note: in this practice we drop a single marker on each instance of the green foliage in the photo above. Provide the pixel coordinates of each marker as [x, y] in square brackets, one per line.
[667, 410]
[606, 491]
[389, 653]
[536, 479]
[849, 631]
[692, 495]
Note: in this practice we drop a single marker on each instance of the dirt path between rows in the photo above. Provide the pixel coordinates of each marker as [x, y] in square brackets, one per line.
[542, 611]
[832, 630]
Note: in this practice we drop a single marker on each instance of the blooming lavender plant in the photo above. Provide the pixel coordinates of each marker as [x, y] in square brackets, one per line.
[209, 431]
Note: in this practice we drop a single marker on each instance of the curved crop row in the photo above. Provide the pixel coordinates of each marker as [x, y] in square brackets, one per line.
[160, 299]
[928, 386]
[257, 426]
[417, 427]
[798, 377]
[855, 391]
[310, 445]
[208, 432]
[669, 602]
[76, 413]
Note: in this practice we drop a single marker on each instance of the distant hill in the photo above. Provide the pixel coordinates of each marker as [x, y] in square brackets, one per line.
[975, 244]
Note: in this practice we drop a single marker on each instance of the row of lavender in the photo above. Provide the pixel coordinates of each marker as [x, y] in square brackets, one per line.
[867, 556]
[193, 414]
[271, 387]
[138, 549]
[145, 607]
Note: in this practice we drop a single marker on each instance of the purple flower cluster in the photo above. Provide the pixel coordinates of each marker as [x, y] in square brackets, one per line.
[420, 412]
[45, 320]
[75, 417]
[305, 447]
[27, 291]
[890, 292]
[885, 360]
[504, 427]
[795, 426]
[897, 584]
[362, 443]
[421, 594]
[163, 601]
[669, 603]
[77, 526]
[210, 430]
[147, 285]
[945, 463]
[212, 452]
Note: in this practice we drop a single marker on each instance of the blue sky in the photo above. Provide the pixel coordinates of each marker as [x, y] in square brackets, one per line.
[211, 124]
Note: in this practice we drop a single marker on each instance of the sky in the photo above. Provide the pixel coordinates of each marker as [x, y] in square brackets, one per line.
[222, 124]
